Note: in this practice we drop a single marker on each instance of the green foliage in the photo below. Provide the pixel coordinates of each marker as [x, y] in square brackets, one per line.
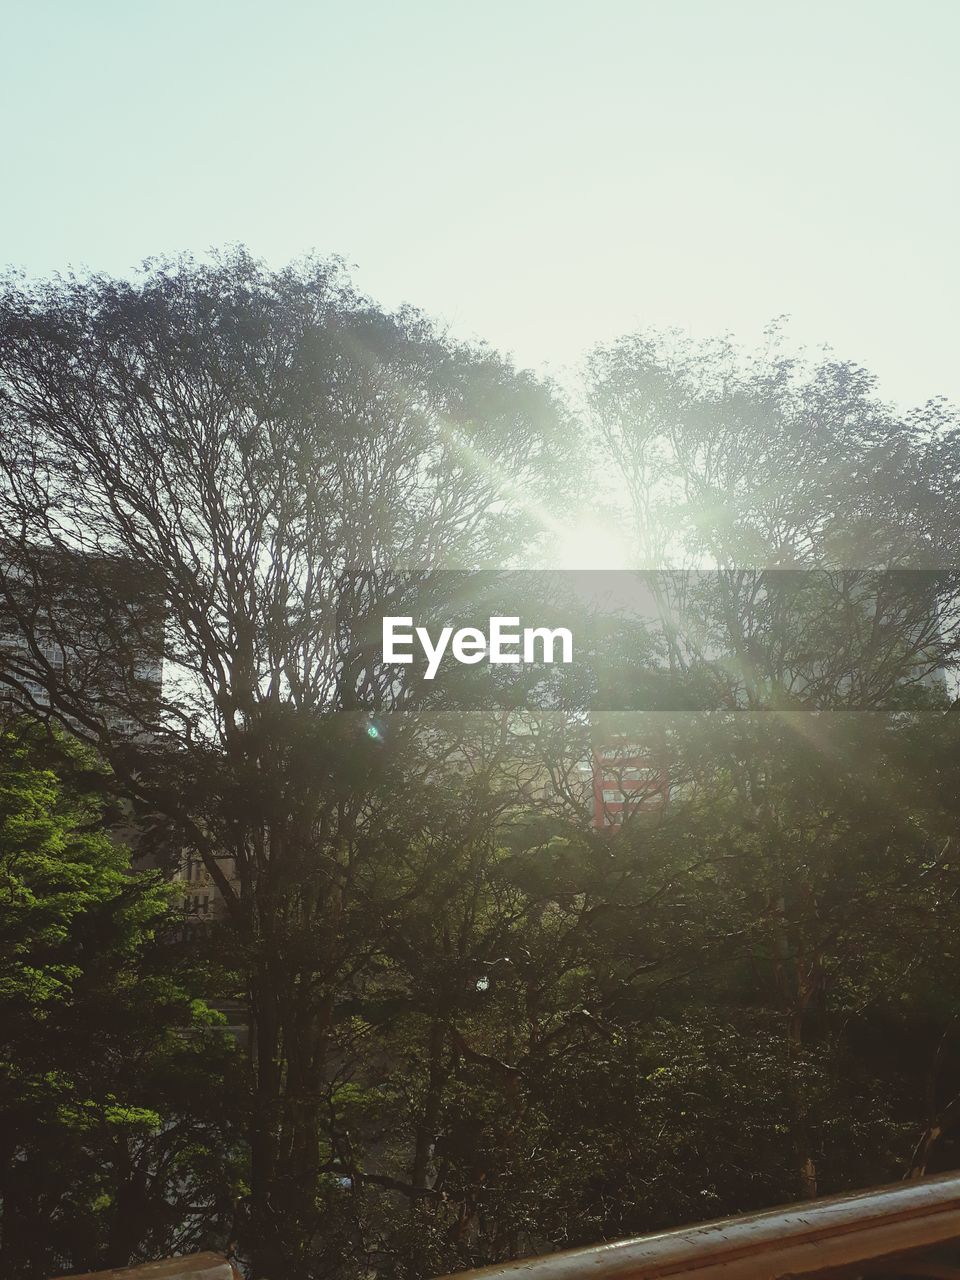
[696, 1016]
[480, 1027]
[118, 1132]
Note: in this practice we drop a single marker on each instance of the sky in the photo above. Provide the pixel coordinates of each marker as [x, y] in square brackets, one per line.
[542, 175]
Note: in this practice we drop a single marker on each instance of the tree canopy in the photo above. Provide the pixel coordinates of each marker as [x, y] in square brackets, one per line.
[480, 1024]
[120, 1135]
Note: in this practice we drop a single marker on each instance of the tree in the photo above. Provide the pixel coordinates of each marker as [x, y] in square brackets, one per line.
[265, 452]
[479, 1025]
[738, 460]
[119, 1130]
[826, 522]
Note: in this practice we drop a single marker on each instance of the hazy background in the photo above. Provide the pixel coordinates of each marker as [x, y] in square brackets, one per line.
[544, 175]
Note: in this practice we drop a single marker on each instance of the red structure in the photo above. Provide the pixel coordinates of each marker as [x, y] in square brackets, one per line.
[626, 780]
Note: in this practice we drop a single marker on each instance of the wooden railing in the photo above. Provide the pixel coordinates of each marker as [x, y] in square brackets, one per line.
[888, 1231]
[193, 1266]
[885, 1231]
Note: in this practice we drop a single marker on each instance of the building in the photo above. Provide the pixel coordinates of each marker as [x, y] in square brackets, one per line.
[74, 622]
[627, 779]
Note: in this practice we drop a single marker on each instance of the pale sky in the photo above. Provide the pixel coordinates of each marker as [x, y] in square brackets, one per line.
[541, 174]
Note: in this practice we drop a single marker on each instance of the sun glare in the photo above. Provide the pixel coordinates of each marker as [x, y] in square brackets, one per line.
[589, 543]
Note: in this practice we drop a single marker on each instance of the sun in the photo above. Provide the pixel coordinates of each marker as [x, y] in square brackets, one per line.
[588, 542]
